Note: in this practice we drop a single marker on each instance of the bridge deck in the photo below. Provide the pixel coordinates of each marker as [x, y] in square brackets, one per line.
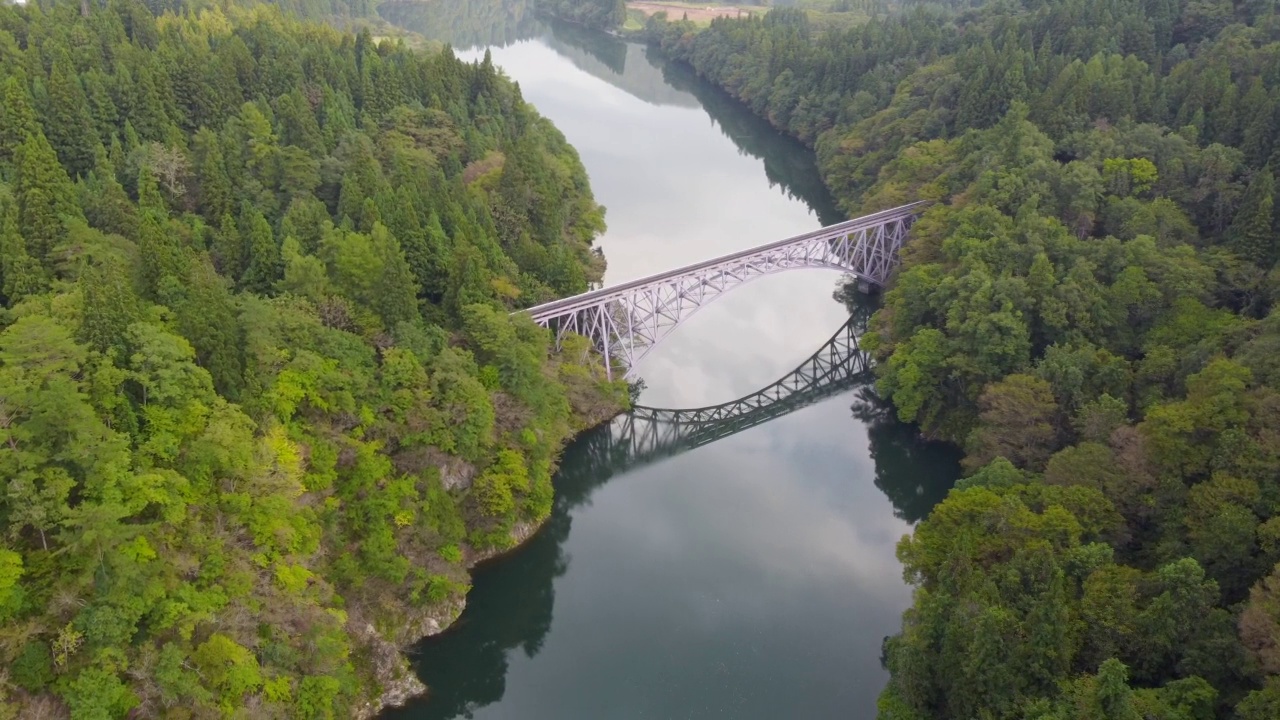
[594, 297]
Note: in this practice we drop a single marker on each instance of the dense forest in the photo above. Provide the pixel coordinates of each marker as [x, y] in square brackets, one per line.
[1091, 310]
[261, 399]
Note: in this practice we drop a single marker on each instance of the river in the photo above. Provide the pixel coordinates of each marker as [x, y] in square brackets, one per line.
[752, 577]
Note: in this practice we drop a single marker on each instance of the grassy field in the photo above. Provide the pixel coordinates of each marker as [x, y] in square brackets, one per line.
[700, 13]
[825, 14]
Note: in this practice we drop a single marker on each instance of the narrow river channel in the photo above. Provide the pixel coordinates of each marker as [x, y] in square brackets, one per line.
[753, 577]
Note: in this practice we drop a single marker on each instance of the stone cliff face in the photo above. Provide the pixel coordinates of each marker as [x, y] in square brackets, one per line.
[384, 650]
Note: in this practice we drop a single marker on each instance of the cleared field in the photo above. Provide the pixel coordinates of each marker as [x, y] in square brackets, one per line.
[697, 13]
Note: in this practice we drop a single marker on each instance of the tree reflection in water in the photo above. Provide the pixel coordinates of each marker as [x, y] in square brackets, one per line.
[510, 607]
[512, 602]
[914, 473]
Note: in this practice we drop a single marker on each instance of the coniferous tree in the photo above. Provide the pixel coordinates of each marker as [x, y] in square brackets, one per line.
[229, 254]
[148, 113]
[253, 133]
[1224, 119]
[263, 266]
[306, 220]
[105, 202]
[1258, 117]
[430, 260]
[362, 181]
[206, 315]
[214, 187]
[304, 275]
[297, 122]
[70, 127]
[17, 116]
[166, 261]
[110, 306]
[397, 211]
[102, 108]
[20, 274]
[44, 193]
[396, 301]
[1251, 235]
[468, 278]
[297, 174]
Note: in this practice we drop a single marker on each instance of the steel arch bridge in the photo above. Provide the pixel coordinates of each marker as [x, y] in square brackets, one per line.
[647, 434]
[626, 321]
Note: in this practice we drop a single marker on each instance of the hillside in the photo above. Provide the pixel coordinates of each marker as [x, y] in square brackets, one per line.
[1090, 310]
[261, 400]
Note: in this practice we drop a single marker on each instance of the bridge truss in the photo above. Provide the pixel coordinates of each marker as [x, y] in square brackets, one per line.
[626, 321]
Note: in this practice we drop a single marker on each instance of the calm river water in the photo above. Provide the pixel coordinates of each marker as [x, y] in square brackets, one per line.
[754, 577]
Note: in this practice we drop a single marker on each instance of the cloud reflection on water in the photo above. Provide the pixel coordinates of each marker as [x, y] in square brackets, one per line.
[751, 578]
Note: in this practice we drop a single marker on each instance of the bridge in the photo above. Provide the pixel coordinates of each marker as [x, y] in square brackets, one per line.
[647, 434]
[626, 321]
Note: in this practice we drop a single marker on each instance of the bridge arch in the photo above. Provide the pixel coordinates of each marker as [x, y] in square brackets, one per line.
[626, 321]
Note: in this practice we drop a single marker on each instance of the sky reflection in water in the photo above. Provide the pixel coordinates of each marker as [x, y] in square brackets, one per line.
[751, 578]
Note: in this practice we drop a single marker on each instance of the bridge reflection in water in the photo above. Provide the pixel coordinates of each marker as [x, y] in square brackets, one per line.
[647, 434]
[467, 666]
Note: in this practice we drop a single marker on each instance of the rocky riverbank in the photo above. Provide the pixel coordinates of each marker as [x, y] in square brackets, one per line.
[384, 651]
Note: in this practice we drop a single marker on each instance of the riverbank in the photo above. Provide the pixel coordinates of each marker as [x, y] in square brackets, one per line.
[680, 544]
[835, 123]
[1014, 288]
[263, 386]
[385, 650]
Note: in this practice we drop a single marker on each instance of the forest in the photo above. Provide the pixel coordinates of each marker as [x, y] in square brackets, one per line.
[1091, 309]
[262, 401]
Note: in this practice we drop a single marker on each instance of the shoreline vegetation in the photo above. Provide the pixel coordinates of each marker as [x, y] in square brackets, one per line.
[397, 678]
[1089, 310]
[263, 402]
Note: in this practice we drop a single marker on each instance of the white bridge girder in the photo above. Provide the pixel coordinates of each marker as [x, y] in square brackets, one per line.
[626, 321]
